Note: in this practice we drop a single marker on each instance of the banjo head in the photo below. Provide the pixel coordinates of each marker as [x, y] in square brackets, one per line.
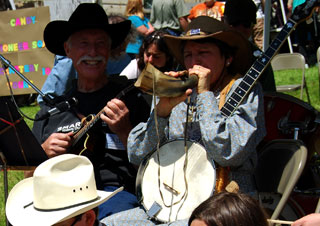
[178, 191]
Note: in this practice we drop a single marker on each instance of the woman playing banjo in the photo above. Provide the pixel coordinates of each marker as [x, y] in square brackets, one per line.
[218, 56]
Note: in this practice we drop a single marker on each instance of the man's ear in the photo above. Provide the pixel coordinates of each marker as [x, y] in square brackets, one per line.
[90, 217]
[66, 48]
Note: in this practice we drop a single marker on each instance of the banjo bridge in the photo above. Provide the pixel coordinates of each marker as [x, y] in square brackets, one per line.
[171, 189]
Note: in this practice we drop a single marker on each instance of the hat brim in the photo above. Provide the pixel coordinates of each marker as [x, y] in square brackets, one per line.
[20, 209]
[57, 32]
[243, 55]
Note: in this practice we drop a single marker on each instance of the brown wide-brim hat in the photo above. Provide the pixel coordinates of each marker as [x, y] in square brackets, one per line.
[204, 27]
[86, 16]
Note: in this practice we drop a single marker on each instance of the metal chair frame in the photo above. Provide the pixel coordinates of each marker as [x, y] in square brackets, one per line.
[318, 62]
[280, 165]
[286, 61]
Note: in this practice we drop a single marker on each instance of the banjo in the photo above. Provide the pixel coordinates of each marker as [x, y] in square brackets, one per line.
[166, 189]
[176, 177]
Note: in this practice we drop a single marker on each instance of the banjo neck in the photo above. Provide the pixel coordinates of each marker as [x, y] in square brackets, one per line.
[256, 70]
[301, 13]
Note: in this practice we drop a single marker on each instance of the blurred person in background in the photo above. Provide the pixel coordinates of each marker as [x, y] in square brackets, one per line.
[171, 15]
[4, 5]
[153, 50]
[258, 27]
[306, 35]
[134, 12]
[244, 22]
[210, 8]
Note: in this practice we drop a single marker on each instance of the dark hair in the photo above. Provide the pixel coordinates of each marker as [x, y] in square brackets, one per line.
[229, 209]
[121, 49]
[240, 12]
[156, 37]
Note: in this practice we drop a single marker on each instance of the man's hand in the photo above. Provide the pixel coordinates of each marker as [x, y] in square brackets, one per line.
[57, 144]
[116, 115]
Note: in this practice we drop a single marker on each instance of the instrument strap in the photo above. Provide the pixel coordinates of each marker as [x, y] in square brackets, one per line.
[222, 173]
[183, 197]
[222, 178]
[226, 89]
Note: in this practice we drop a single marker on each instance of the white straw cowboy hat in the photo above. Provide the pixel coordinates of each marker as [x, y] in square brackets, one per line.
[204, 27]
[61, 188]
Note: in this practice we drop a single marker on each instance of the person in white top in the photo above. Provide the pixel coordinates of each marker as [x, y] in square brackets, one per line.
[153, 50]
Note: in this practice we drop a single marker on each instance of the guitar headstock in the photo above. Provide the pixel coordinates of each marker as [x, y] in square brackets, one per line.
[304, 11]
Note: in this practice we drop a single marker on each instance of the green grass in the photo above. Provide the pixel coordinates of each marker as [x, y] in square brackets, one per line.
[282, 78]
[30, 111]
[13, 175]
[294, 77]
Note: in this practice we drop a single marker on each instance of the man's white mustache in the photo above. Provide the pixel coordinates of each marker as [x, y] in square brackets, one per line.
[89, 58]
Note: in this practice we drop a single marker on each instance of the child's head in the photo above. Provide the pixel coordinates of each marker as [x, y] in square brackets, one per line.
[229, 209]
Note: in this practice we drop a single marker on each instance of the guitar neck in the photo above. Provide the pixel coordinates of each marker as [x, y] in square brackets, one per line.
[89, 124]
[86, 128]
[256, 70]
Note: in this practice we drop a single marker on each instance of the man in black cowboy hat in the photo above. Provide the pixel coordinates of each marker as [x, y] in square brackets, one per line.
[87, 39]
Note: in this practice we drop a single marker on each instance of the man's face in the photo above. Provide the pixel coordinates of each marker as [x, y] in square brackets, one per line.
[89, 50]
[86, 219]
[73, 222]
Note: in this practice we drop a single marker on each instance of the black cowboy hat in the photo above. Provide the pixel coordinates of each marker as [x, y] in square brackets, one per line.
[207, 27]
[86, 16]
[244, 11]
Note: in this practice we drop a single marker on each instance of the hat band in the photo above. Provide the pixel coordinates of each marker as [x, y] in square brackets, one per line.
[63, 208]
[197, 31]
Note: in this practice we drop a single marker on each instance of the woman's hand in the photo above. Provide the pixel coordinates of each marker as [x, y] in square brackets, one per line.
[204, 76]
[166, 104]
